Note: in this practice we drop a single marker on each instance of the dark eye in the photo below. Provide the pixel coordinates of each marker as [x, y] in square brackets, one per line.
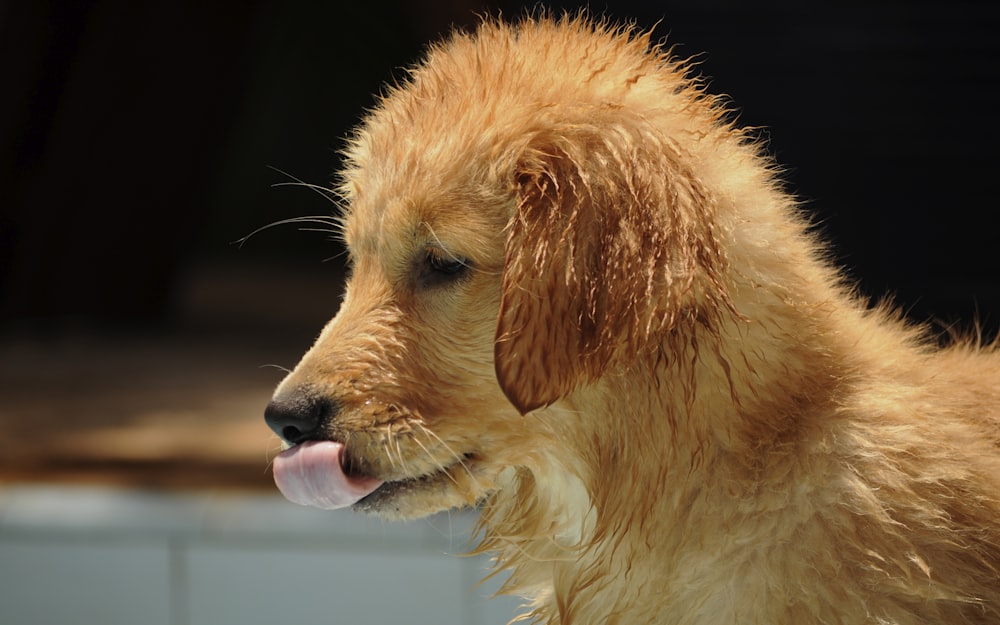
[447, 266]
[441, 267]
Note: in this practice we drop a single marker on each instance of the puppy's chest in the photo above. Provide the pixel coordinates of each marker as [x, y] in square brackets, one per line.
[712, 571]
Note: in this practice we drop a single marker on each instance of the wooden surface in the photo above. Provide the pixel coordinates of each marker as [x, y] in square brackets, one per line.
[173, 411]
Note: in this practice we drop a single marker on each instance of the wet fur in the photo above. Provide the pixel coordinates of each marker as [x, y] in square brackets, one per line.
[667, 404]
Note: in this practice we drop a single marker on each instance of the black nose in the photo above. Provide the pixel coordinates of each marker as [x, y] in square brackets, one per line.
[298, 416]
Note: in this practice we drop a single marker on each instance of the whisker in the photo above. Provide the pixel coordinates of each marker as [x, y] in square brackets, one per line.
[333, 223]
[326, 230]
[441, 467]
[271, 451]
[388, 454]
[335, 256]
[390, 445]
[325, 193]
[459, 458]
[399, 452]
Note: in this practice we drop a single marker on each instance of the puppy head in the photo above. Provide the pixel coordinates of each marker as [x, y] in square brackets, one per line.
[515, 230]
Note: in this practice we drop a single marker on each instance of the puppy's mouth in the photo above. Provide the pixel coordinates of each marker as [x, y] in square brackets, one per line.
[313, 474]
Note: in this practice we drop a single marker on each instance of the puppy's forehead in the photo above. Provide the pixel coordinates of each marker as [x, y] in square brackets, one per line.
[436, 156]
[398, 225]
[428, 178]
[420, 176]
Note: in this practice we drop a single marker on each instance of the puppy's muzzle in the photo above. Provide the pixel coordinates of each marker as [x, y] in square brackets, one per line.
[299, 415]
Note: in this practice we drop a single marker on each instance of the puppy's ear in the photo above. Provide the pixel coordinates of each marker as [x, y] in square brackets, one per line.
[613, 243]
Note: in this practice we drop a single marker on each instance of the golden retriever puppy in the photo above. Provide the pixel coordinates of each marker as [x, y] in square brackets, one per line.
[581, 301]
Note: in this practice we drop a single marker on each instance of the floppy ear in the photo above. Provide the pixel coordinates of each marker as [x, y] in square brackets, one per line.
[612, 243]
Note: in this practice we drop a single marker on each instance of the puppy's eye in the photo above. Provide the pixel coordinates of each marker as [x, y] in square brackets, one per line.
[446, 266]
[441, 268]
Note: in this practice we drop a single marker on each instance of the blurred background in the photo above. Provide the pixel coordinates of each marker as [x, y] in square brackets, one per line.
[141, 141]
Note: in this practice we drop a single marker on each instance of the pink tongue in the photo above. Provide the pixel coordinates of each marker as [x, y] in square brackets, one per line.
[311, 474]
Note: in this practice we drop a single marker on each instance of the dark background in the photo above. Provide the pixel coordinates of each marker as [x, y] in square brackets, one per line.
[140, 140]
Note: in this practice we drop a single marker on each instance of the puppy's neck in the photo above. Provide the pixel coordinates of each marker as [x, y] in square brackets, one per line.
[640, 459]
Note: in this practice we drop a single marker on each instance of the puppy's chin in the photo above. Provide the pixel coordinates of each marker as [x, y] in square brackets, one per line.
[460, 486]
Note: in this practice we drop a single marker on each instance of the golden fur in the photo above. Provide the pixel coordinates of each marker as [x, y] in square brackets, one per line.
[581, 301]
